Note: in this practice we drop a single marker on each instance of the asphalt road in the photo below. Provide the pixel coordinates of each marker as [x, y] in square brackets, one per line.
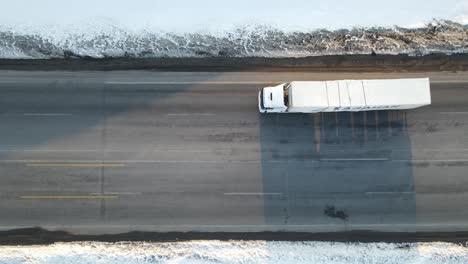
[108, 152]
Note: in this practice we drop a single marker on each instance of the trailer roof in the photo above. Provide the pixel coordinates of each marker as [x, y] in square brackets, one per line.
[306, 94]
[397, 92]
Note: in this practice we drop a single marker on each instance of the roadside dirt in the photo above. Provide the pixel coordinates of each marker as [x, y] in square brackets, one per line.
[345, 63]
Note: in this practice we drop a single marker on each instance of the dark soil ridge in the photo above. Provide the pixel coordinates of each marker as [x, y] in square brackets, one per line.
[332, 63]
[39, 236]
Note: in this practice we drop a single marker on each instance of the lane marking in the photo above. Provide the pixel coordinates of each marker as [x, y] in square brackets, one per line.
[190, 114]
[118, 162]
[442, 149]
[47, 114]
[121, 163]
[200, 150]
[51, 150]
[193, 82]
[115, 193]
[239, 82]
[390, 192]
[188, 150]
[455, 113]
[68, 197]
[74, 165]
[222, 82]
[439, 160]
[113, 150]
[8, 114]
[450, 81]
[260, 227]
[357, 159]
[256, 194]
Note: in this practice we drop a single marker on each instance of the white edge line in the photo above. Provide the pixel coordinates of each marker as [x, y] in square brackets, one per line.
[241, 82]
[362, 159]
[116, 193]
[450, 81]
[390, 192]
[187, 150]
[195, 82]
[247, 193]
[260, 226]
[134, 161]
[47, 114]
[449, 113]
[191, 114]
[112, 150]
[216, 161]
[226, 82]
[441, 160]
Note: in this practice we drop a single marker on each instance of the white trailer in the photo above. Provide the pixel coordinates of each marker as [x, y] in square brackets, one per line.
[344, 95]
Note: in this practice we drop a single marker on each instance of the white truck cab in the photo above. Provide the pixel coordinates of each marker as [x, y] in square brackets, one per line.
[272, 99]
[344, 95]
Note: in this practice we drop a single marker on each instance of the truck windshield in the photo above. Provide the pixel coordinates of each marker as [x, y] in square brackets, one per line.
[286, 94]
[261, 100]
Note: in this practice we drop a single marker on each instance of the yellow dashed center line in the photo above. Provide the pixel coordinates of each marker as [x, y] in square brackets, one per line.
[69, 197]
[76, 165]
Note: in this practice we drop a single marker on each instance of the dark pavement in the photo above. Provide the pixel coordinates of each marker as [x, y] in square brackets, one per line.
[108, 152]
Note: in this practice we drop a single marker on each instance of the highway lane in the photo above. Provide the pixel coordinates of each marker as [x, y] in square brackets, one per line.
[106, 152]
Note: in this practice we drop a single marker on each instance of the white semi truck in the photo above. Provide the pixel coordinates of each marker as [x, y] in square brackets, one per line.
[344, 95]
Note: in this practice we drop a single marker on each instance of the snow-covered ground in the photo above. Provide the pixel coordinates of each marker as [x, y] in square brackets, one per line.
[236, 252]
[101, 40]
[241, 28]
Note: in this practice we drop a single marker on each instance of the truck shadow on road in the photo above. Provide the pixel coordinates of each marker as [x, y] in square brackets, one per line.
[356, 163]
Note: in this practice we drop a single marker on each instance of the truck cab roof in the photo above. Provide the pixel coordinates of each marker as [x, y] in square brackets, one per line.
[273, 97]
